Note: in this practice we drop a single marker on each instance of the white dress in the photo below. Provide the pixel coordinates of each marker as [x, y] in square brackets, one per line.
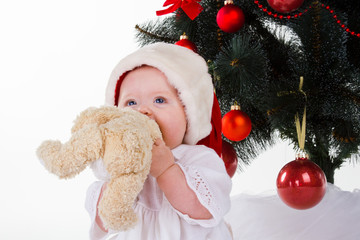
[157, 219]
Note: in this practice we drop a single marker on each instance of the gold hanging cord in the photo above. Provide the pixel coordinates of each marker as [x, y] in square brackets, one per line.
[301, 129]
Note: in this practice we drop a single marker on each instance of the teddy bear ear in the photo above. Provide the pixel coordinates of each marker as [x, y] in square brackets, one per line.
[93, 115]
[84, 118]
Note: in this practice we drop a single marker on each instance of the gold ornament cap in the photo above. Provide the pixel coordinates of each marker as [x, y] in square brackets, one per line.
[226, 2]
[184, 36]
[235, 107]
[302, 155]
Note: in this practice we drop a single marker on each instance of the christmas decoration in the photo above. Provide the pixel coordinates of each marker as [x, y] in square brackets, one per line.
[229, 157]
[192, 8]
[236, 125]
[297, 15]
[301, 184]
[230, 17]
[288, 44]
[338, 21]
[285, 6]
[277, 15]
[185, 42]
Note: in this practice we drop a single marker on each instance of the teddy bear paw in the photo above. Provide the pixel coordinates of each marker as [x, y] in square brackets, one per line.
[46, 152]
[119, 222]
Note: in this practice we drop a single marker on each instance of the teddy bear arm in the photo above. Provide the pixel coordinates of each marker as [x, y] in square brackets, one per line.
[68, 159]
[154, 130]
[116, 206]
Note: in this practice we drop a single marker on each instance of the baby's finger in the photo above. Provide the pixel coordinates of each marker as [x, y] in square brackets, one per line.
[158, 142]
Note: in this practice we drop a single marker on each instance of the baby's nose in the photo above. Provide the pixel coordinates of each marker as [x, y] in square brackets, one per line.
[145, 110]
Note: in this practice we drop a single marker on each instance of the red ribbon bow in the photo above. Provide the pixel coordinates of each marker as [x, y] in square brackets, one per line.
[192, 8]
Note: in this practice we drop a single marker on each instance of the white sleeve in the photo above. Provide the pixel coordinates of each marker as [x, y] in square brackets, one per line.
[206, 175]
[92, 196]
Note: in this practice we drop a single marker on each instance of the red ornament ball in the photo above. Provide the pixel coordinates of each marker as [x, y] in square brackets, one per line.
[236, 125]
[230, 18]
[301, 184]
[285, 6]
[229, 156]
[185, 42]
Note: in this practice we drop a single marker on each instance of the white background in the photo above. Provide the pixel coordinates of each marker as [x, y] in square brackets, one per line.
[55, 59]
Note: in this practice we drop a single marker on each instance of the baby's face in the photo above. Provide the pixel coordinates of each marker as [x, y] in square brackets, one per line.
[147, 90]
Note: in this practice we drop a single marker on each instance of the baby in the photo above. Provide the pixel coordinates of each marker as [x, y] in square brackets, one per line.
[186, 194]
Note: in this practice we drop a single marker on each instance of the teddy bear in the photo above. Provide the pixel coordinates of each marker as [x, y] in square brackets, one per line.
[122, 139]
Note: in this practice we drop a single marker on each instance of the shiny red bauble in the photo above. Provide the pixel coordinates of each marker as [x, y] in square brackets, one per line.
[285, 6]
[230, 18]
[185, 42]
[301, 184]
[236, 124]
[229, 156]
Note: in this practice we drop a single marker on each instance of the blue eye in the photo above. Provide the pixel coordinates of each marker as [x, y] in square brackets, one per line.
[131, 103]
[159, 100]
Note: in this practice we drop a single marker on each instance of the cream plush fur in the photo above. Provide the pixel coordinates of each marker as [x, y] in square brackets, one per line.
[123, 139]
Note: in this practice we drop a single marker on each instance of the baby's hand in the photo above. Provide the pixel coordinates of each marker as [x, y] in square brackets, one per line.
[162, 158]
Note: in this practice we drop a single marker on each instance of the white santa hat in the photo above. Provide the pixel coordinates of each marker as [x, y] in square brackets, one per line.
[188, 73]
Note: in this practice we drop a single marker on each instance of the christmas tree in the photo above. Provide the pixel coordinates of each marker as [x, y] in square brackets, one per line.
[259, 61]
